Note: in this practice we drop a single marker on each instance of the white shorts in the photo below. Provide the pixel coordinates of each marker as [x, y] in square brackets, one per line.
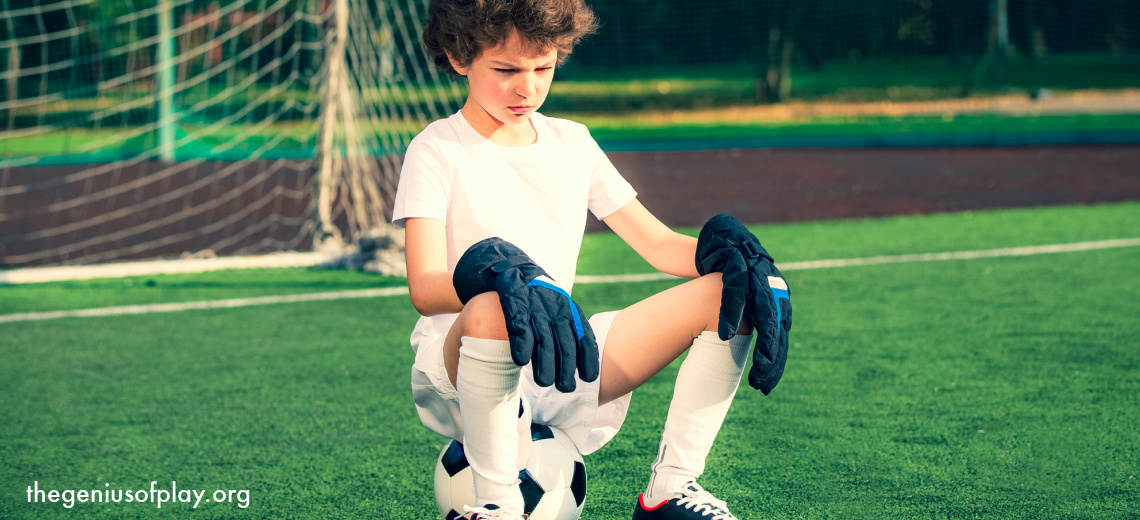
[576, 413]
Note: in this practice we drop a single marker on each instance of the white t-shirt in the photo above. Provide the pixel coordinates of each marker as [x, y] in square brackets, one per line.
[534, 197]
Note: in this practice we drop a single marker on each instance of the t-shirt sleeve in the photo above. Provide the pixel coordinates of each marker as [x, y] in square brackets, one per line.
[424, 188]
[609, 191]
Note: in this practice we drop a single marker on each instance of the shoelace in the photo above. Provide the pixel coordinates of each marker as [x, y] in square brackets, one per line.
[482, 513]
[694, 497]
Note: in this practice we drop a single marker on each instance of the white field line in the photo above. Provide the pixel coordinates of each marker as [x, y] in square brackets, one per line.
[215, 304]
[583, 279]
[894, 259]
[144, 268]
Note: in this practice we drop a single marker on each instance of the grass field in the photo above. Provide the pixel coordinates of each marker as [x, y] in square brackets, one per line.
[838, 102]
[992, 388]
[236, 142]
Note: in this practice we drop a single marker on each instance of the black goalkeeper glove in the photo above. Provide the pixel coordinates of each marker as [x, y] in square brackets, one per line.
[544, 324]
[753, 287]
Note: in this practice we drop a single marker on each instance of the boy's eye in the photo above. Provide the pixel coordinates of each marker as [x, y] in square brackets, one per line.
[506, 71]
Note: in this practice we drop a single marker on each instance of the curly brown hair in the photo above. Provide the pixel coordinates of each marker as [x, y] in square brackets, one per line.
[465, 28]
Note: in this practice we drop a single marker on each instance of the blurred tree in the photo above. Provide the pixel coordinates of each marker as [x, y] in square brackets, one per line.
[776, 84]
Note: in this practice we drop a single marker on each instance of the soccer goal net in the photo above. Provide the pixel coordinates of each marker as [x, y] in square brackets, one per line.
[134, 129]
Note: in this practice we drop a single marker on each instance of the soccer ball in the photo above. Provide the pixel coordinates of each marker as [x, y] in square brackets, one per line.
[553, 482]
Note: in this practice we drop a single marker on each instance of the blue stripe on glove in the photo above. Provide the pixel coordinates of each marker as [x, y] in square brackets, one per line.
[573, 308]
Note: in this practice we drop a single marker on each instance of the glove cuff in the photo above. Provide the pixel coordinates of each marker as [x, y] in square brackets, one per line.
[484, 262]
[719, 237]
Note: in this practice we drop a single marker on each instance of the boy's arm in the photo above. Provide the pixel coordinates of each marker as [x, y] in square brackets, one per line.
[666, 250]
[429, 281]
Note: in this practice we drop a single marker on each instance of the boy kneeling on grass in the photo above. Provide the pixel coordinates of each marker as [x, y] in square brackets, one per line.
[493, 201]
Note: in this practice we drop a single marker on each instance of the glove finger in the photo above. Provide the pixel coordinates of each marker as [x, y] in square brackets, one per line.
[764, 373]
[734, 280]
[763, 315]
[786, 311]
[765, 379]
[545, 355]
[762, 309]
[518, 328]
[589, 362]
[566, 339]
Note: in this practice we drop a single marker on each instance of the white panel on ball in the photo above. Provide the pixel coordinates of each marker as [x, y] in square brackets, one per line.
[553, 482]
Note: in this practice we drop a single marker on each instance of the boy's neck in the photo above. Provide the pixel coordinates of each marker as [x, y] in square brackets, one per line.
[497, 131]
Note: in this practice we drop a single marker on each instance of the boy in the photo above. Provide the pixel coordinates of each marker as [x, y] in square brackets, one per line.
[493, 202]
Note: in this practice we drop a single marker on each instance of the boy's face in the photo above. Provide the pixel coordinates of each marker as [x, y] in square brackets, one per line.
[510, 81]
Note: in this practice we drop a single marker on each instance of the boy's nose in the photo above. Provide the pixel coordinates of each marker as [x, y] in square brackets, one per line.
[527, 87]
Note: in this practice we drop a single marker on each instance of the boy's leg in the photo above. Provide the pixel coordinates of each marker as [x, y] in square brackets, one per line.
[706, 385]
[646, 337]
[478, 361]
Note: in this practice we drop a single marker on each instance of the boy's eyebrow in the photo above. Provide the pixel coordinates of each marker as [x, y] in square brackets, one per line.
[513, 66]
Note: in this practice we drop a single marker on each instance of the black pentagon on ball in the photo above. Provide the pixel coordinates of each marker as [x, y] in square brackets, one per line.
[531, 491]
[453, 515]
[578, 484]
[539, 432]
[453, 459]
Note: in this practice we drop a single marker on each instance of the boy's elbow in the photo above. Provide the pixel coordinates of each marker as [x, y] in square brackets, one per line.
[433, 294]
[419, 301]
[430, 304]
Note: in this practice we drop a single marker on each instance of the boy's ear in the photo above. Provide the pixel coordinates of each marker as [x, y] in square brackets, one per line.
[459, 68]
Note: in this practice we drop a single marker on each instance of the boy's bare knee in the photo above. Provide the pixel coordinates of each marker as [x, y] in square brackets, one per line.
[483, 317]
[709, 304]
[713, 279]
[700, 301]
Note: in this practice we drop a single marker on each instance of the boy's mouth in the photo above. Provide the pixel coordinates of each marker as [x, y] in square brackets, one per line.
[520, 109]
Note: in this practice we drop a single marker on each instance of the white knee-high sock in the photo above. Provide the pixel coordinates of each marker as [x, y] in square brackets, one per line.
[706, 384]
[487, 385]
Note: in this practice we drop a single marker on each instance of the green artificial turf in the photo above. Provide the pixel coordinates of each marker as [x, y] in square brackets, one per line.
[993, 388]
[652, 86]
[161, 288]
[72, 145]
[605, 253]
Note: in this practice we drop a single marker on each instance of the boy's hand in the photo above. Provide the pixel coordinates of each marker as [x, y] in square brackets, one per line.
[545, 326]
[753, 287]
